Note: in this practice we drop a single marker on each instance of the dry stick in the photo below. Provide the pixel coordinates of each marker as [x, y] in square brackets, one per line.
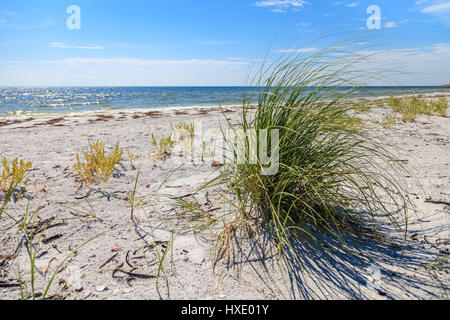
[109, 260]
[138, 275]
[126, 259]
[429, 200]
[7, 256]
[49, 239]
[4, 284]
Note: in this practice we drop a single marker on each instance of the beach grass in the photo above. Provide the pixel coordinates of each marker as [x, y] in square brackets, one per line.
[389, 121]
[98, 165]
[164, 146]
[13, 173]
[411, 107]
[332, 176]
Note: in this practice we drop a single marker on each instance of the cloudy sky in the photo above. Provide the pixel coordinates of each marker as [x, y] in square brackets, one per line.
[207, 42]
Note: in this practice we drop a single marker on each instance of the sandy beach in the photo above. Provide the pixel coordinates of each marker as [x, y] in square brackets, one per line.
[144, 258]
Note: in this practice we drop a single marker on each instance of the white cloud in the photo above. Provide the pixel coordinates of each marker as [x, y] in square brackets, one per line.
[437, 8]
[64, 46]
[82, 71]
[352, 5]
[281, 6]
[390, 24]
[428, 65]
[347, 4]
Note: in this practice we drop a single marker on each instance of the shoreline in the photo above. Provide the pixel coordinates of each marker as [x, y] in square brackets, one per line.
[189, 109]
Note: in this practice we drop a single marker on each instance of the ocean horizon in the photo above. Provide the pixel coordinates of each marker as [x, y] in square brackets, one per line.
[28, 101]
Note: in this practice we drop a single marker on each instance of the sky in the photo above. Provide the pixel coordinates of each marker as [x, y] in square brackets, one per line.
[208, 42]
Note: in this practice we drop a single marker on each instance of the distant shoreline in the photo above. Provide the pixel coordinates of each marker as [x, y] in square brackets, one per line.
[21, 114]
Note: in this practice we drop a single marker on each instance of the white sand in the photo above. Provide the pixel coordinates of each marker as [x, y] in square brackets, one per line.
[51, 144]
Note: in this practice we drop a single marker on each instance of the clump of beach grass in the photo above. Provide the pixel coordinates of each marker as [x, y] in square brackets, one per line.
[164, 146]
[440, 106]
[187, 129]
[98, 165]
[389, 121]
[13, 173]
[332, 176]
[411, 107]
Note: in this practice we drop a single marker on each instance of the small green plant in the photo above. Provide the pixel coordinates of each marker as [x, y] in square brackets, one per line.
[14, 173]
[185, 132]
[132, 157]
[134, 202]
[362, 107]
[188, 128]
[164, 147]
[99, 164]
[28, 289]
[389, 121]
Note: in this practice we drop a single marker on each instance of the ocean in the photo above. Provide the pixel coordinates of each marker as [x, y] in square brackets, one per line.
[28, 101]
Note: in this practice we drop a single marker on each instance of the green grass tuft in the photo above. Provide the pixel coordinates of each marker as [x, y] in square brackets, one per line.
[332, 176]
[98, 165]
[14, 173]
[411, 107]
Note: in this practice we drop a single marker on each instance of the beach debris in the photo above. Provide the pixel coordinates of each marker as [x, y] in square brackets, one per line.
[9, 284]
[109, 260]
[7, 256]
[447, 209]
[127, 261]
[101, 288]
[430, 200]
[381, 293]
[415, 237]
[52, 238]
[48, 266]
[62, 283]
[217, 164]
[136, 275]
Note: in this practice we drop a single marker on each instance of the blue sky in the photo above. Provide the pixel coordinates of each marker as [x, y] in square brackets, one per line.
[206, 42]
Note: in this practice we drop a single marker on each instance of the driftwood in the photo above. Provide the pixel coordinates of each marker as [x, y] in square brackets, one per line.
[430, 200]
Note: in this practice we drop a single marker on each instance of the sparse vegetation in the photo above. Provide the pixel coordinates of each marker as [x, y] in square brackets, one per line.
[440, 106]
[98, 165]
[164, 147]
[132, 157]
[13, 174]
[389, 121]
[361, 107]
[186, 128]
[411, 107]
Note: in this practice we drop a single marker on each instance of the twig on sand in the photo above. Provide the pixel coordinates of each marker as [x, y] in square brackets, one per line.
[7, 284]
[109, 260]
[127, 261]
[137, 275]
[50, 239]
[430, 200]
